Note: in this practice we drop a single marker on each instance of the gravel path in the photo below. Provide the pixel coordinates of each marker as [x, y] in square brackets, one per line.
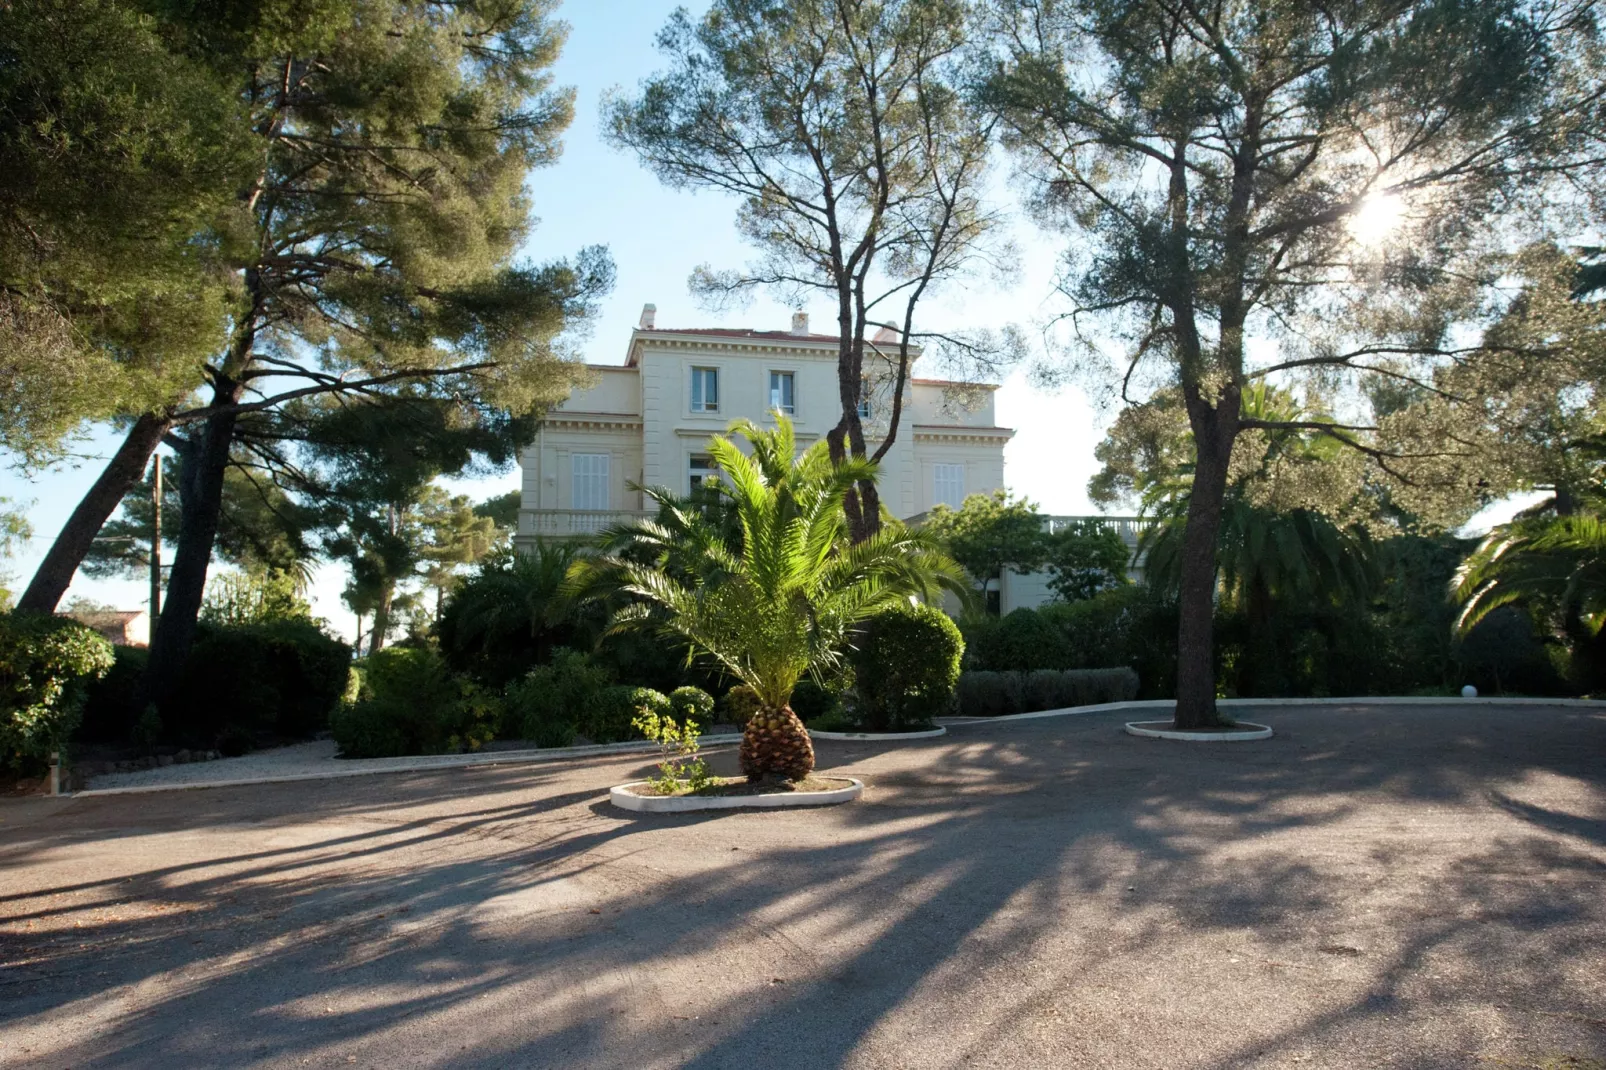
[1418, 889]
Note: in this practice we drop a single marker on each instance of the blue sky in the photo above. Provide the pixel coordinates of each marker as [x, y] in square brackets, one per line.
[595, 195]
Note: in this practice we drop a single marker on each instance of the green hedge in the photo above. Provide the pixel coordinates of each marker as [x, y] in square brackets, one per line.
[996, 694]
[45, 663]
[609, 719]
[906, 664]
[278, 678]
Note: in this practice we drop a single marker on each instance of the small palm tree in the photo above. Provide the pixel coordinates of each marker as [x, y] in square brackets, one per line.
[1542, 561]
[774, 595]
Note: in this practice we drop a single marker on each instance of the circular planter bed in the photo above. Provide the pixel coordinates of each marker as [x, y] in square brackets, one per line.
[737, 794]
[1237, 733]
[882, 737]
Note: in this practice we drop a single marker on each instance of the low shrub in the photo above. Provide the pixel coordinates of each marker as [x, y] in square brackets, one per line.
[611, 719]
[812, 701]
[691, 704]
[413, 704]
[996, 694]
[548, 704]
[741, 702]
[906, 664]
[989, 694]
[45, 664]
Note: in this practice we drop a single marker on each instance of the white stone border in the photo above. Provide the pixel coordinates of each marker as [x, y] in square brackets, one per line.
[1147, 704]
[626, 799]
[341, 768]
[880, 737]
[1250, 731]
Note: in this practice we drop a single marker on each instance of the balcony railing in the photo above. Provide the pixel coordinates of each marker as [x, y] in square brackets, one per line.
[566, 523]
[1130, 528]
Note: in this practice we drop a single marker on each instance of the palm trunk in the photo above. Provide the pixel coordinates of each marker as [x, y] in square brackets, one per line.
[776, 745]
[205, 460]
[55, 573]
[1196, 669]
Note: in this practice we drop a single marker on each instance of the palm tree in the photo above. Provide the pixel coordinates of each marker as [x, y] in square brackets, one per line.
[774, 595]
[1547, 562]
[510, 614]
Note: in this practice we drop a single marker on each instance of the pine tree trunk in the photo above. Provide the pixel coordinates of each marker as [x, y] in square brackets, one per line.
[776, 745]
[376, 638]
[205, 460]
[1196, 669]
[55, 573]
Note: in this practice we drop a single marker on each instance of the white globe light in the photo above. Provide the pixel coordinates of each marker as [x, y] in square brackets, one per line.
[1469, 692]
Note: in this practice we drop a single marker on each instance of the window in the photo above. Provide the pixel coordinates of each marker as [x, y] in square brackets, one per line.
[705, 390]
[589, 487]
[866, 409]
[950, 485]
[783, 392]
[702, 467]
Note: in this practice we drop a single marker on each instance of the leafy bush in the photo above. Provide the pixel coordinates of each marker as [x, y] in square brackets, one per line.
[45, 664]
[275, 678]
[995, 694]
[1085, 558]
[691, 704]
[413, 704]
[906, 663]
[741, 702]
[549, 703]
[612, 717]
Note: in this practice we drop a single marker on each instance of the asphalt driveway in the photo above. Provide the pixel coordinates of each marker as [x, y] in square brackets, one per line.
[1419, 887]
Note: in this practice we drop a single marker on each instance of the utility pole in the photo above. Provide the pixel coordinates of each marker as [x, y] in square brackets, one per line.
[156, 540]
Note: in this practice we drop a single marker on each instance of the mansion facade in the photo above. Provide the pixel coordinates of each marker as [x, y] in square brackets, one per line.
[647, 422]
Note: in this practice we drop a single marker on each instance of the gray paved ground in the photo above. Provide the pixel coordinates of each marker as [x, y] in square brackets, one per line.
[1411, 888]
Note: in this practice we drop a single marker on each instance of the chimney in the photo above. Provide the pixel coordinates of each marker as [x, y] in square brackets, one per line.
[800, 323]
[649, 316]
[885, 336]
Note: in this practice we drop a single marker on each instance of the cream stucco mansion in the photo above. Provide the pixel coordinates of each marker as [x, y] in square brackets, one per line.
[647, 422]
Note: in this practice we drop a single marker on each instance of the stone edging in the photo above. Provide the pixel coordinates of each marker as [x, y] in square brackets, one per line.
[879, 737]
[1250, 731]
[1143, 705]
[420, 764]
[626, 799]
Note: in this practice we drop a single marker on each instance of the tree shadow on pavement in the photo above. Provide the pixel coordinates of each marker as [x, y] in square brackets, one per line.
[1037, 891]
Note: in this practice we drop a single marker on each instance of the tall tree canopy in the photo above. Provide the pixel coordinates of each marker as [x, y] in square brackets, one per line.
[123, 159]
[373, 250]
[839, 125]
[1232, 167]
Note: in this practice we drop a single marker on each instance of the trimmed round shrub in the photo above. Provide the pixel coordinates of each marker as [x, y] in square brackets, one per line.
[45, 665]
[741, 702]
[691, 704]
[548, 704]
[1026, 640]
[906, 665]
